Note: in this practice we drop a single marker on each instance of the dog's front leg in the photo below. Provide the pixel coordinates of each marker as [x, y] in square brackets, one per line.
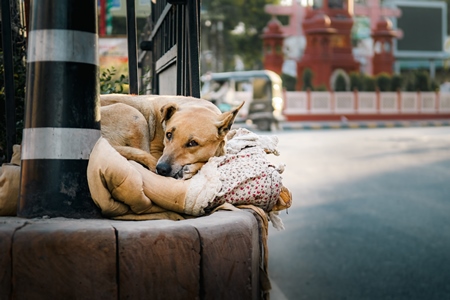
[166, 192]
[138, 155]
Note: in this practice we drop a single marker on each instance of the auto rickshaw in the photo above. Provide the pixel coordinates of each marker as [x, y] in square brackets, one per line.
[261, 90]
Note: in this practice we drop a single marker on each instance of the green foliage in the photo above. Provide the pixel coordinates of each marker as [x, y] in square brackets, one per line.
[410, 87]
[356, 82]
[369, 83]
[408, 81]
[396, 83]
[321, 88]
[383, 81]
[289, 82]
[224, 43]
[435, 86]
[307, 78]
[422, 81]
[340, 84]
[245, 46]
[109, 84]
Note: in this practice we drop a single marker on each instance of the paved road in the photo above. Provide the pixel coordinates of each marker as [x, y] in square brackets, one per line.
[371, 215]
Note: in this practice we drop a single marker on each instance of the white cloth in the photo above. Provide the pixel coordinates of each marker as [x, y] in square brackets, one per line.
[242, 176]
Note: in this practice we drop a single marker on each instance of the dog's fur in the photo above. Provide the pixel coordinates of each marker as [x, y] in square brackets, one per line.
[171, 135]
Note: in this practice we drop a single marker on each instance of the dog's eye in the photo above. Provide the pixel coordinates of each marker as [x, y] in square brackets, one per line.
[169, 135]
[192, 144]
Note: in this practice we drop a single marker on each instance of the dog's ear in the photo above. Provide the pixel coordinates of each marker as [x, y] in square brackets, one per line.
[226, 120]
[167, 111]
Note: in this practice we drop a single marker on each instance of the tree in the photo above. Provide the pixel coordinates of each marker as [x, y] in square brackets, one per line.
[341, 84]
[356, 82]
[384, 82]
[396, 83]
[369, 83]
[307, 79]
[289, 82]
[422, 81]
[219, 20]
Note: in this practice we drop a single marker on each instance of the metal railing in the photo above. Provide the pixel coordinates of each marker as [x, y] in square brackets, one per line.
[174, 46]
[8, 64]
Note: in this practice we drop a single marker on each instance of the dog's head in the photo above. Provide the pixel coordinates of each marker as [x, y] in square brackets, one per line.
[193, 135]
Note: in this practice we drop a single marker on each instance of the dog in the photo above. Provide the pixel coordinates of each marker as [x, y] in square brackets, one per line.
[173, 136]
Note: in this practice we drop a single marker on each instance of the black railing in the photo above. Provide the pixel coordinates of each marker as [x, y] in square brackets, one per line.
[132, 48]
[8, 78]
[174, 46]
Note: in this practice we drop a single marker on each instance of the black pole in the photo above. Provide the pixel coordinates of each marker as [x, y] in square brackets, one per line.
[193, 41]
[8, 63]
[132, 47]
[62, 116]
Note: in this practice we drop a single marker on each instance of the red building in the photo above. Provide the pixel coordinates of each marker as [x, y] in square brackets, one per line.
[273, 46]
[328, 42]
[383, 57]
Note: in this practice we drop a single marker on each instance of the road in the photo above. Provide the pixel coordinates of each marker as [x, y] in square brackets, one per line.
[370, 217]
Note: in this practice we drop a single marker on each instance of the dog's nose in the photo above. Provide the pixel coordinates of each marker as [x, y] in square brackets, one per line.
[163, 169]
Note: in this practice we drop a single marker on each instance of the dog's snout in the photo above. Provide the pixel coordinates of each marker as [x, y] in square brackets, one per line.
[163, 169]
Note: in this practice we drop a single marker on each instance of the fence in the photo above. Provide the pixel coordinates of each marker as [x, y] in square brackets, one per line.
[366, 105]
[174, 47]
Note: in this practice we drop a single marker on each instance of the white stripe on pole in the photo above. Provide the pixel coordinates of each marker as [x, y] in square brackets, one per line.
[63, 45]
[58, 143]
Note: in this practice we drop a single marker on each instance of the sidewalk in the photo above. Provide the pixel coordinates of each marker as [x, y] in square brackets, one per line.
[363, 124]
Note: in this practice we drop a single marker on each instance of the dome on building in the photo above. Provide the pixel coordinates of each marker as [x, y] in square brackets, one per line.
[384, 28]
[318, 23]
[273, 26]
[384, 24]
[321, 20]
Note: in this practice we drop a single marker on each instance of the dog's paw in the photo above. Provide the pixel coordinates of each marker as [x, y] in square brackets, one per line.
[188, 171]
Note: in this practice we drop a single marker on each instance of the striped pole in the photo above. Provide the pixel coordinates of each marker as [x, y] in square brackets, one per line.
[62, 117]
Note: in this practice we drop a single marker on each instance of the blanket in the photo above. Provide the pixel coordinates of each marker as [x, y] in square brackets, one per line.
[10, 184]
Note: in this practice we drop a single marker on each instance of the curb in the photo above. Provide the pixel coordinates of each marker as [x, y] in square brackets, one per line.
[63, 258]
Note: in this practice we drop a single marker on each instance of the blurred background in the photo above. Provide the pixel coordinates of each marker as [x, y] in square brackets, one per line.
[358, 93]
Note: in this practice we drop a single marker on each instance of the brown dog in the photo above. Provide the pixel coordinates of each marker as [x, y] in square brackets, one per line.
[171, 135]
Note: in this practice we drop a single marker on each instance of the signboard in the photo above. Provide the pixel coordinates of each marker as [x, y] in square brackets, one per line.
[424, 27]
[113, 53]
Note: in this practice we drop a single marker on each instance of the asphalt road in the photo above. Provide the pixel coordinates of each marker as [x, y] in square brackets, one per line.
[370, 217]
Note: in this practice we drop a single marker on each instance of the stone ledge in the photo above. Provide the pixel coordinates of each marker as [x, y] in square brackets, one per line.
[211, 257]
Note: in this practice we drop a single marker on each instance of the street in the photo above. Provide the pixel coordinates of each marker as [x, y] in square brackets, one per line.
[370, 217]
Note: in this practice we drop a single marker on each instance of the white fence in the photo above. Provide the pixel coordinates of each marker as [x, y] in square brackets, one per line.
[343, 103]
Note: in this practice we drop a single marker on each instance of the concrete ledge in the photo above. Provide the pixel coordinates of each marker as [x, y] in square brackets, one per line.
[212, 257]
